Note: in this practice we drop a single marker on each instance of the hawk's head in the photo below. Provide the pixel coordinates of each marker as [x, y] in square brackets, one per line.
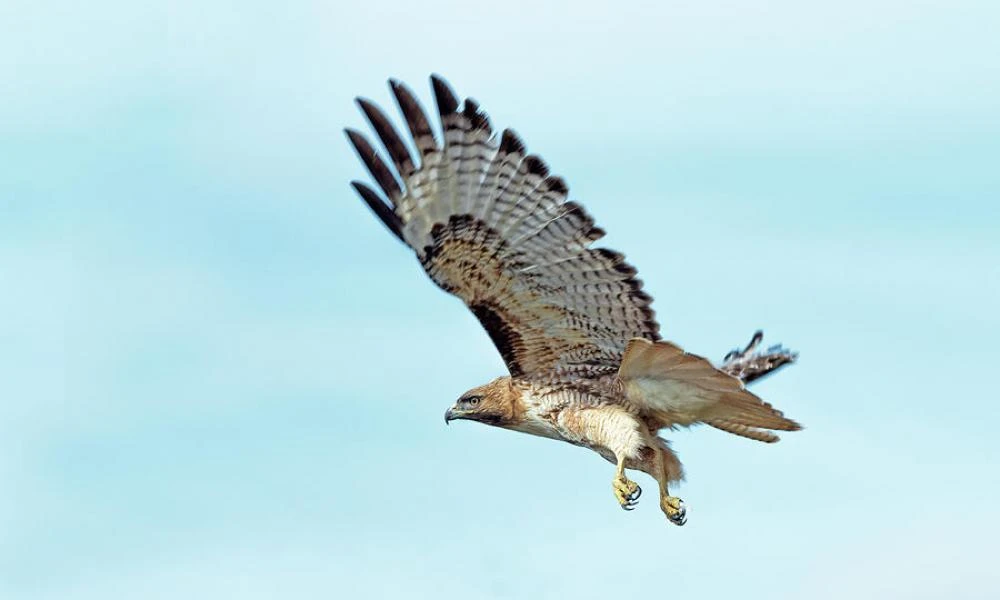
[492, 404]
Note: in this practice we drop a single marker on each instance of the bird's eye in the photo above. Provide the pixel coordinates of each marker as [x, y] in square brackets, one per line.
[472, 400]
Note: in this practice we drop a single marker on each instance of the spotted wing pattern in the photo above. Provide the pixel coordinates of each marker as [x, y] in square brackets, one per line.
[490, 225]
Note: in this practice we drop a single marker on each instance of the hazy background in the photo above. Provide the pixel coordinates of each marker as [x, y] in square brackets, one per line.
[220, 377]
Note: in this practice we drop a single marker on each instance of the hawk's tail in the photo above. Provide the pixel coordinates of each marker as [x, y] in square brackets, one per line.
[681, 389]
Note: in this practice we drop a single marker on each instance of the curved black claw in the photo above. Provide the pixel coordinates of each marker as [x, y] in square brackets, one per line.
[632, 499]
[680, 517]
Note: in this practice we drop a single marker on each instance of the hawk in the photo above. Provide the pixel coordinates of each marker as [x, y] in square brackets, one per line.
[490, 225]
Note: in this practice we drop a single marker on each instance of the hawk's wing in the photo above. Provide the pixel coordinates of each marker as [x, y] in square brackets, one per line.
[491, 226]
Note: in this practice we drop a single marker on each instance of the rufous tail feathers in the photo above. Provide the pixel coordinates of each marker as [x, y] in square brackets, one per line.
[681, 389]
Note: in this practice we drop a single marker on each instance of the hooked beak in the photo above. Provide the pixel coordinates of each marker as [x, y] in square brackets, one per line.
[452, 415]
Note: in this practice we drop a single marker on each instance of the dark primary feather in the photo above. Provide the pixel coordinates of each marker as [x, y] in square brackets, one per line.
[381, 210]
[416, 118]
[376, 166]
[400, 154]
[446, 101]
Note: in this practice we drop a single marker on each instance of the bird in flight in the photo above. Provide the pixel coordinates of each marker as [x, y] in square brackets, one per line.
[490, 225]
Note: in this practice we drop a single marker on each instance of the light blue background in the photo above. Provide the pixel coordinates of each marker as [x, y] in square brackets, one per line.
[220, 377]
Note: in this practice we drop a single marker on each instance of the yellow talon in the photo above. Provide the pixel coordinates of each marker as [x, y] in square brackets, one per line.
[674, 508]
[626, 491]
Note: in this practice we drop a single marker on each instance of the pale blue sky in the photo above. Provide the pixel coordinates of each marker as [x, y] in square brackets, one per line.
[220, 377]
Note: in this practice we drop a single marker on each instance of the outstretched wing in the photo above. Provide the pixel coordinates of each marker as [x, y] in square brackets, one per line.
[750, 364]
[491, 226]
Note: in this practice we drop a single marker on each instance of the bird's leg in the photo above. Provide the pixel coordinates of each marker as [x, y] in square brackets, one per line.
[626, 490]
[665, 468]
[617, 435]
[672, 506]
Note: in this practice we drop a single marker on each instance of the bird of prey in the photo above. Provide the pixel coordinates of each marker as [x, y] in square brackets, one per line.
[490, 225]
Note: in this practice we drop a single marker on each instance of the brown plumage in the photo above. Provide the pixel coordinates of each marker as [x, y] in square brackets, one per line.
[490, 225]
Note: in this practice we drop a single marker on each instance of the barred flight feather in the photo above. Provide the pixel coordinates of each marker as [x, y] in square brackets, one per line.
[490, 225]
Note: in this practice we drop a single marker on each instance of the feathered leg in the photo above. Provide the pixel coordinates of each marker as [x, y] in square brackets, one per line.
[626, 490]
[666, 468]
[617, 435]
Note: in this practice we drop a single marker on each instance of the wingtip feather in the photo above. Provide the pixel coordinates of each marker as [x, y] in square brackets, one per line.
[445, 97]
[380, 208]
[511, 143]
